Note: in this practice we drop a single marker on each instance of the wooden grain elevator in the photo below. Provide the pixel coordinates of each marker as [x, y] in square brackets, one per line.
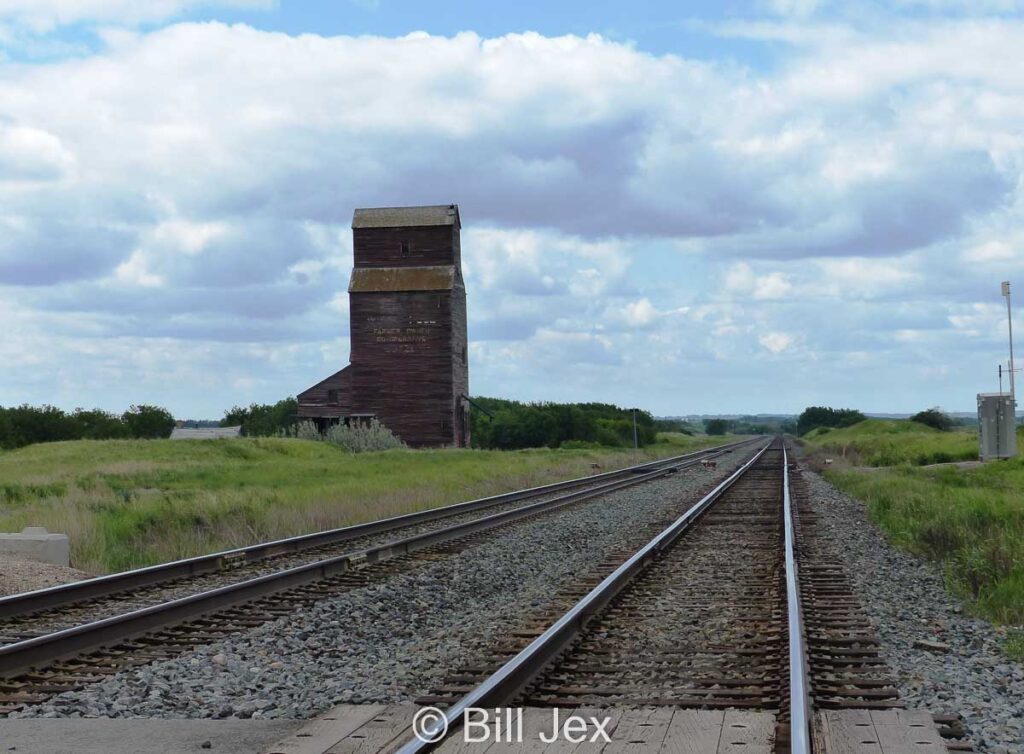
[409, 363]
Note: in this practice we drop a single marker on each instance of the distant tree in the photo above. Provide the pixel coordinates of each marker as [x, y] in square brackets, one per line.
[822, 416]
[716, 426]
[148, 422]
[8, 439]
[934, 417]
[30, 424]
[263, 419]
[99, 425]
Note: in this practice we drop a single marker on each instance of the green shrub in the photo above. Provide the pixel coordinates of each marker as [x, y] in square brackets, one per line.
[263, 419]
[357, 438]
[514, 425]
[934, 418]
[362, 438]
[716, 426]
[822, 416]
[305, 430]
[149, 422]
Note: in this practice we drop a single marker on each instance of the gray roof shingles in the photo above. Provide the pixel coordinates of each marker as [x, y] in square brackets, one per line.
[406, 217]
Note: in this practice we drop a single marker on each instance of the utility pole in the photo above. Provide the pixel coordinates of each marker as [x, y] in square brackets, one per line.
[636, 443]
[1009, 321]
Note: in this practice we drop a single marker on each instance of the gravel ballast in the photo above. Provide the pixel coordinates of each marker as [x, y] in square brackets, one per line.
[397, 639]
[18, 574]
[907, 601]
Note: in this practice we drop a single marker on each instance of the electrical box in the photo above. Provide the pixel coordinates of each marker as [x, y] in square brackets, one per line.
[997, 426]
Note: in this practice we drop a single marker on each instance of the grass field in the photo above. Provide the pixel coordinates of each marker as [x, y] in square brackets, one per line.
[128, 503]
[971, 520]
[887, 442]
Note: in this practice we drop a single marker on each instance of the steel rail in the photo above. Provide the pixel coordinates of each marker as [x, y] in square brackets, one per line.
[799, 670]
[507, 681]
[21, 656]
[105, 586]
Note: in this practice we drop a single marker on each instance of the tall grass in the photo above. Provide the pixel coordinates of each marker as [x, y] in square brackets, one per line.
[970, 520]
[128, 503]
[882, 442]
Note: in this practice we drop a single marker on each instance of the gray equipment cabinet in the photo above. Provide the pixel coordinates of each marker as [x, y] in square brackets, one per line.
[997, 428]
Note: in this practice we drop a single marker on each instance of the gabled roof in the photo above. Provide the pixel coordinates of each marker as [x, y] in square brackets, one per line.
[407, 217]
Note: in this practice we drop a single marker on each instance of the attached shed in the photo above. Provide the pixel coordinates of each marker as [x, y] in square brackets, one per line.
[409, 346]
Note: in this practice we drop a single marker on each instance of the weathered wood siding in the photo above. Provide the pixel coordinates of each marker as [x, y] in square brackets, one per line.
[383, 247]
[460, 363]
[401, 363]
[316, 403]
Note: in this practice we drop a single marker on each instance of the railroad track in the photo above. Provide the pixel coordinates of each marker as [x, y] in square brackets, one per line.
[687, 622]
[65, 637]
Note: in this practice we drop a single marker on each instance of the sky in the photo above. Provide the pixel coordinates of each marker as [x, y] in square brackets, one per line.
[703, 207]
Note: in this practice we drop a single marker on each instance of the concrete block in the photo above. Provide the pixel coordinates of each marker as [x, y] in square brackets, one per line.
[35, 543]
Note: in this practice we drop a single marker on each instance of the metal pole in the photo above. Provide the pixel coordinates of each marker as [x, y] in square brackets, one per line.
[1009, 321]
[636, 443]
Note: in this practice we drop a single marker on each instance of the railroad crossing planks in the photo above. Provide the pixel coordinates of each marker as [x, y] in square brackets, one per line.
[377, 729]
[876, 732]
[318, 735]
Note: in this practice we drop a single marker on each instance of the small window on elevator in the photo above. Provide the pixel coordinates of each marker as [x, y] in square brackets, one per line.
[405, 249]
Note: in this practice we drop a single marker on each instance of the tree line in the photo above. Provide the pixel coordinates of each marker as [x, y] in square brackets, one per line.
[25, 425]
[510, 425]
[513, 425]
[823, 416]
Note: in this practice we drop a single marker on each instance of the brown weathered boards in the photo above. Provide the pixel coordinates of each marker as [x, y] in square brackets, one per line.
[409, 348]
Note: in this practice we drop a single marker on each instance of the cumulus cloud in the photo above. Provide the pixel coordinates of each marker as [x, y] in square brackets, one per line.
[740, 278]
[194, 184]
[29, 154]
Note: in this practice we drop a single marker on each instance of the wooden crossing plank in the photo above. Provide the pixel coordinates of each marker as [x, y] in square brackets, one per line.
[320, 734]
[907, 732]
[384, 732]
[457, 744]
[749, 732]
[694, 732]
[537, 720]
[877, 732]
[640, 730]
[846, 732]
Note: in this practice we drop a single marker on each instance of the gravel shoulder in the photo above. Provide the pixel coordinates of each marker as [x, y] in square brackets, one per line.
[23, 575]
[397, 639]
[907, 601]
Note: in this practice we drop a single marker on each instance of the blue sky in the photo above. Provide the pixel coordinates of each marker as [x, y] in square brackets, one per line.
[696, 208]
